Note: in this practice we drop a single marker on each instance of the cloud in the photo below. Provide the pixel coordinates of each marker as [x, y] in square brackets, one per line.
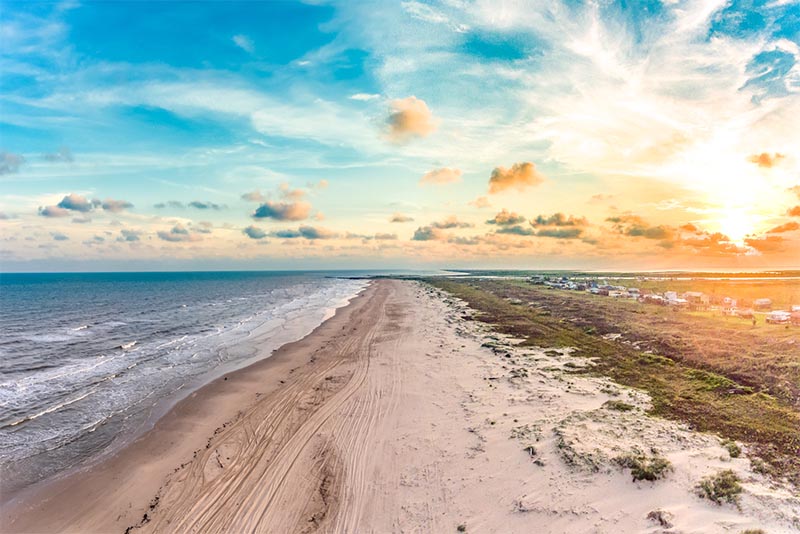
[766, 160]
[178, 233]
[76, 202]
[635, 226]
[400, 218]
[364, 97]
[283, 211]
[4, 216]
[307, 232]
[445, 175]
[451, 222]
[794, 211]
[385, 237]
[506, 218]
[481, 202]
[519, 177]
[427, 233]
[560, 233]
[10, 163]
[116, 206]
[795, 189]
[83, 219]
[63, 155]
[95, 240]
[254, 196]
[127, 235]
[769, 243]
[254, 232]
[515, 230]
[58, 236]
[409, 118]
[559, 219]
[205, 205]
[169, 204]
[788, 227]
[53, 211]
[244, 42]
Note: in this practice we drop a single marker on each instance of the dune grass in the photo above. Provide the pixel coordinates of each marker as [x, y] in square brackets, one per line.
[703, 375]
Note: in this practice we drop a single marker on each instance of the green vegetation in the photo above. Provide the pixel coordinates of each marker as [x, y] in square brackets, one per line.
[733, 448]
[644, 467]
[618, 406]
[721, 487]
[753, 531]
[733, 380]
[461, 528]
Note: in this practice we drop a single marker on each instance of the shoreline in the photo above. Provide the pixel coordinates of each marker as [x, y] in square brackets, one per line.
[143, 448]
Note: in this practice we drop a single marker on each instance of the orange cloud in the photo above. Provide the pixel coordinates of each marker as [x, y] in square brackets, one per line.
[481, 202]
[766, 160]
[445, 175]
[519, 176]
[559, 219]
[788, 227]
[283, 211]
[770, 243]
[794, 212]
[409, 118]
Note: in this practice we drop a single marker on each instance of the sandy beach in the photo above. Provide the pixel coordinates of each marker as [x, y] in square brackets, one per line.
[401, 414]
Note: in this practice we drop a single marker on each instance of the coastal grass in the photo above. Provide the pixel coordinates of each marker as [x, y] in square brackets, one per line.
[740, 383]
[720, 487]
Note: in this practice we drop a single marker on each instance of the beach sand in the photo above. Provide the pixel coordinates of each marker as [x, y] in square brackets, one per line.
[400, 414]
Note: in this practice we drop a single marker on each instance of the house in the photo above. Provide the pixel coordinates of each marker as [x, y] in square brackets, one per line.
[779, 317]
[795, 308]
[762, 304]
[697, 300]
[745, 313]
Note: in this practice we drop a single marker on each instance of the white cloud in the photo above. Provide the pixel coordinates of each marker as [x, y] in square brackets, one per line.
[244, 42]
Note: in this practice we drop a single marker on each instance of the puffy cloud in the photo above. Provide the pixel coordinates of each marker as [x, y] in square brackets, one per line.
[254, 232]
[506, 218]
[519, 176]
[283, 211]
[445, 175]
[400, 218]
[205, 205]
[769, 243]
[469, 241]
[254, 196]
[481, 202]
[788, 227]
[76, 202]
[58, 236]
[95, 240]
[53, 211]
[63, 155]
[794, 212]
[515, 230]
[83, 219]
[116, 206]
[178, 233]
[307, 232]
[766, 160]
[451, 222]
[409, 118]
[559, 219]
[427, 233]
[129, 235]
[635, 226]
[560, 233]
[10, 163]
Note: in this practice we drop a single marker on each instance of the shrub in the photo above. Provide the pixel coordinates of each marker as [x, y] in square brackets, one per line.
[618, 406]
[643, 467]
[722, 486]
[733, 448]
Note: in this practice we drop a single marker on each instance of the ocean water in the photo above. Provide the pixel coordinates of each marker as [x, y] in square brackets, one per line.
[87, 361]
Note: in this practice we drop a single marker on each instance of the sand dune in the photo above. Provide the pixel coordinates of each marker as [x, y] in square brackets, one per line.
[398, 415]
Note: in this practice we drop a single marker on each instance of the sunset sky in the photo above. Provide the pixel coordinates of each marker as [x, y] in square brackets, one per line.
[452, 133]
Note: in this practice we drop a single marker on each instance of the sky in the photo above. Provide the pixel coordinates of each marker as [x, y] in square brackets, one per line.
[629, 135]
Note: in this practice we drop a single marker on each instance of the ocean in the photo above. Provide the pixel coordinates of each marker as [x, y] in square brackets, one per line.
[88, 361]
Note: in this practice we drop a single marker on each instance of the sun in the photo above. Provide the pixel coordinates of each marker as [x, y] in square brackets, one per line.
[737, 223]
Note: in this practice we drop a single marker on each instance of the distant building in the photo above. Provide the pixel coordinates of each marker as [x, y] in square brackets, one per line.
[762, 304]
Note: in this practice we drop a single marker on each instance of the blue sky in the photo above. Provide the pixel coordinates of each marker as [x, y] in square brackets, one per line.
[399, 134]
